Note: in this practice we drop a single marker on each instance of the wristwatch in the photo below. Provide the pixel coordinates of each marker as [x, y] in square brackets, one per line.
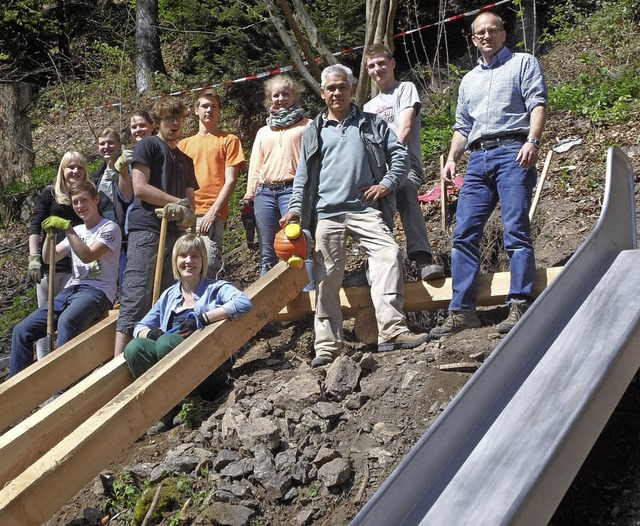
[536, 142]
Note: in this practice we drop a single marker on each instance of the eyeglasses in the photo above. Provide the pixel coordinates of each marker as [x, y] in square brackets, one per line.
[170, 119]
[492, 32]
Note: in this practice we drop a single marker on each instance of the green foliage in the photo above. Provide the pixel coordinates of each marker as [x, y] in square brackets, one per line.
[608, 87]
[599, 94]
[438, 119]
[23, 305]
[191, 413]
[124, 498]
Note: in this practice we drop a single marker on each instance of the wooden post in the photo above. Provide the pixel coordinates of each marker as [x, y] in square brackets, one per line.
[157, 278]
[543, 177]
[51, 241]
[443, 196]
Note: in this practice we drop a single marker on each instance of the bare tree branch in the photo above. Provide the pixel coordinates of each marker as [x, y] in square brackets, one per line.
[309, 55]
[312, 33]
[288, 43]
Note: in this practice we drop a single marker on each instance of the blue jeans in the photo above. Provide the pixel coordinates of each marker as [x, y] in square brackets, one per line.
[74, 309]
[492, 175]
[269, 206]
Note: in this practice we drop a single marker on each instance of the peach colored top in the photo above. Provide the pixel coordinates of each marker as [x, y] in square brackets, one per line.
[275, 154]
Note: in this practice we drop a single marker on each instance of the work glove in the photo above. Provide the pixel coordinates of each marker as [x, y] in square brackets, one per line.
[192, 323]
[175, 211]
[154, 334]
[35, 269]
[53, 224]
[188, 219]
[124, 160]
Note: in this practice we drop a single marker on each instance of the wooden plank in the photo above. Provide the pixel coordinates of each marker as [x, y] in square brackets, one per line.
[23, 392]
[23, 444]
[418, 296]
[38, 492]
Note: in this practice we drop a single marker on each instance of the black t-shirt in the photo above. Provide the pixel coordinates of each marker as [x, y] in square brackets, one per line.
[170, 170]
[46, 205]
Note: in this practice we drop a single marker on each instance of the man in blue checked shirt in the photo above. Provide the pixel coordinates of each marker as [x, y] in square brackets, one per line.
[502, 109]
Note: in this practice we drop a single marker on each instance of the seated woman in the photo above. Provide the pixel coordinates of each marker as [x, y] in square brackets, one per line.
[192, 303]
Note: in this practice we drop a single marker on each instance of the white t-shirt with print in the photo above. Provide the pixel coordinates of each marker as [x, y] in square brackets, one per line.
[101, 274]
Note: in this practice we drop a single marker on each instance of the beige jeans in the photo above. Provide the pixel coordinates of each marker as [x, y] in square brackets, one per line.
[385, 275]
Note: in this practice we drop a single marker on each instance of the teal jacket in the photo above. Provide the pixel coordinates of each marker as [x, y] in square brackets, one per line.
[388, 160]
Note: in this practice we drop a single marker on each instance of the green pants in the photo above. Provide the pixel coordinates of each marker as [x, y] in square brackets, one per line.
[141, 354]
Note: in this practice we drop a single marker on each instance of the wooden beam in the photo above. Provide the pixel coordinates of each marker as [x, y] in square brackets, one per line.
[23, 444]
[418, 296]
[22, 393]
[38, 492]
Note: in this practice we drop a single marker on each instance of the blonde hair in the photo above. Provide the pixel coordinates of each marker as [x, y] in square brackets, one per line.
[289, 82]
[184, 245]
[60, 187]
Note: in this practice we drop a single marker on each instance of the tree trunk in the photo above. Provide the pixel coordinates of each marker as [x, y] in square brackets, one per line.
[311, 59]
[312, 33]
[148, 53]
[380, 15]
[16, 156]
[288, 43]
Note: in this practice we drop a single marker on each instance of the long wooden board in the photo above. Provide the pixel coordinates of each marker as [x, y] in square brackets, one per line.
[22, 393]
[39, 491]
[23, 444]
[418, 296]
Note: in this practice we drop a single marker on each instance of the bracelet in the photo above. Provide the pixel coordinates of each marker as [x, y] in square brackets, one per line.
[450, 161]
[204, 319]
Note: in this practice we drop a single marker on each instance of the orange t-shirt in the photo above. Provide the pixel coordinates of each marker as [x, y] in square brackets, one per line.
[211, 154]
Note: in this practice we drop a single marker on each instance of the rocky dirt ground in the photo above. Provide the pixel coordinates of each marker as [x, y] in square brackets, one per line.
[285, 444]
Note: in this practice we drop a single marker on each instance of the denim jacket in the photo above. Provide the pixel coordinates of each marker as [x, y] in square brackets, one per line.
[388, 160]
[209, 295]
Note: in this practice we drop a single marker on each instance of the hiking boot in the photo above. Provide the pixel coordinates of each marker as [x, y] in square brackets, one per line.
[321, 361]
[457, 320]
[404, 340]
[516, 309]
[428, 269]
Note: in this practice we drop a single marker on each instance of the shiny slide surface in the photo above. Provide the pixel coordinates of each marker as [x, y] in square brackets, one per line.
[508, 446]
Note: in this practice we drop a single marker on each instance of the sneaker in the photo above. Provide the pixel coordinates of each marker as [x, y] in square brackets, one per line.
[516, 309]
[321, 361]
[431, 272]
[428, 269]
[457, 320]
[165, 423]
[404, 340]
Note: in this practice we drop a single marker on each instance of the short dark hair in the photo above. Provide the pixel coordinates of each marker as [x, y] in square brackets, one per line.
[144, 114]
[168, 107]
[84, 185]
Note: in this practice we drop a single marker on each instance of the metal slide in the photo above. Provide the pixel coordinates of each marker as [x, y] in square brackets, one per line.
[508, 446]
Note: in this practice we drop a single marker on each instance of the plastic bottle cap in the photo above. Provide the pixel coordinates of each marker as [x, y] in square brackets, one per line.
[295, 262]
[292, 231]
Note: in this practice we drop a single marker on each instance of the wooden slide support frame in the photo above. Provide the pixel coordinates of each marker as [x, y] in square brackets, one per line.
[418, 296]
[43, 487]
[69, 363]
